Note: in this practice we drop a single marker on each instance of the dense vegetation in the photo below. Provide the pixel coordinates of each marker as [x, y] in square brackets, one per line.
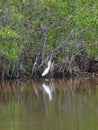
[34, 31]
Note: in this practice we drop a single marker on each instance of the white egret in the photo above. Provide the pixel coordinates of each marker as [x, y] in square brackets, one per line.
[46, 71]
[47, 90]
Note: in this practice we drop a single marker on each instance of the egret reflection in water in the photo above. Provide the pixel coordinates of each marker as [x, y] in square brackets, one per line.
[48, 90]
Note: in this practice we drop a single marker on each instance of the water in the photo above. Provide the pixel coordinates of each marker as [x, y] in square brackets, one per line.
[49, 105]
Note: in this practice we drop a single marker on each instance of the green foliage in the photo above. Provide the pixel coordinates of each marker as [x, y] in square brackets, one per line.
[74, 47]
[8, 45]
[20, 26]
[10, 50]
[92, 51]
[6, 32]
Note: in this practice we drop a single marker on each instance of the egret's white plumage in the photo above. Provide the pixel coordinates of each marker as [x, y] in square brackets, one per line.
[47, 90]
[46, 71]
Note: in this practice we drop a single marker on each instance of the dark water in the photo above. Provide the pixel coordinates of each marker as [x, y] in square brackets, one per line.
[49, 105]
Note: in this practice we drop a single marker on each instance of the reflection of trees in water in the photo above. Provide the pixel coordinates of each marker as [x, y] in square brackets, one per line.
[26, 104]
[31, 96]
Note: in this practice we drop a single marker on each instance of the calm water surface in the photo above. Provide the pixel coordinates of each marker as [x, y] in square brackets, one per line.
[49, 105]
